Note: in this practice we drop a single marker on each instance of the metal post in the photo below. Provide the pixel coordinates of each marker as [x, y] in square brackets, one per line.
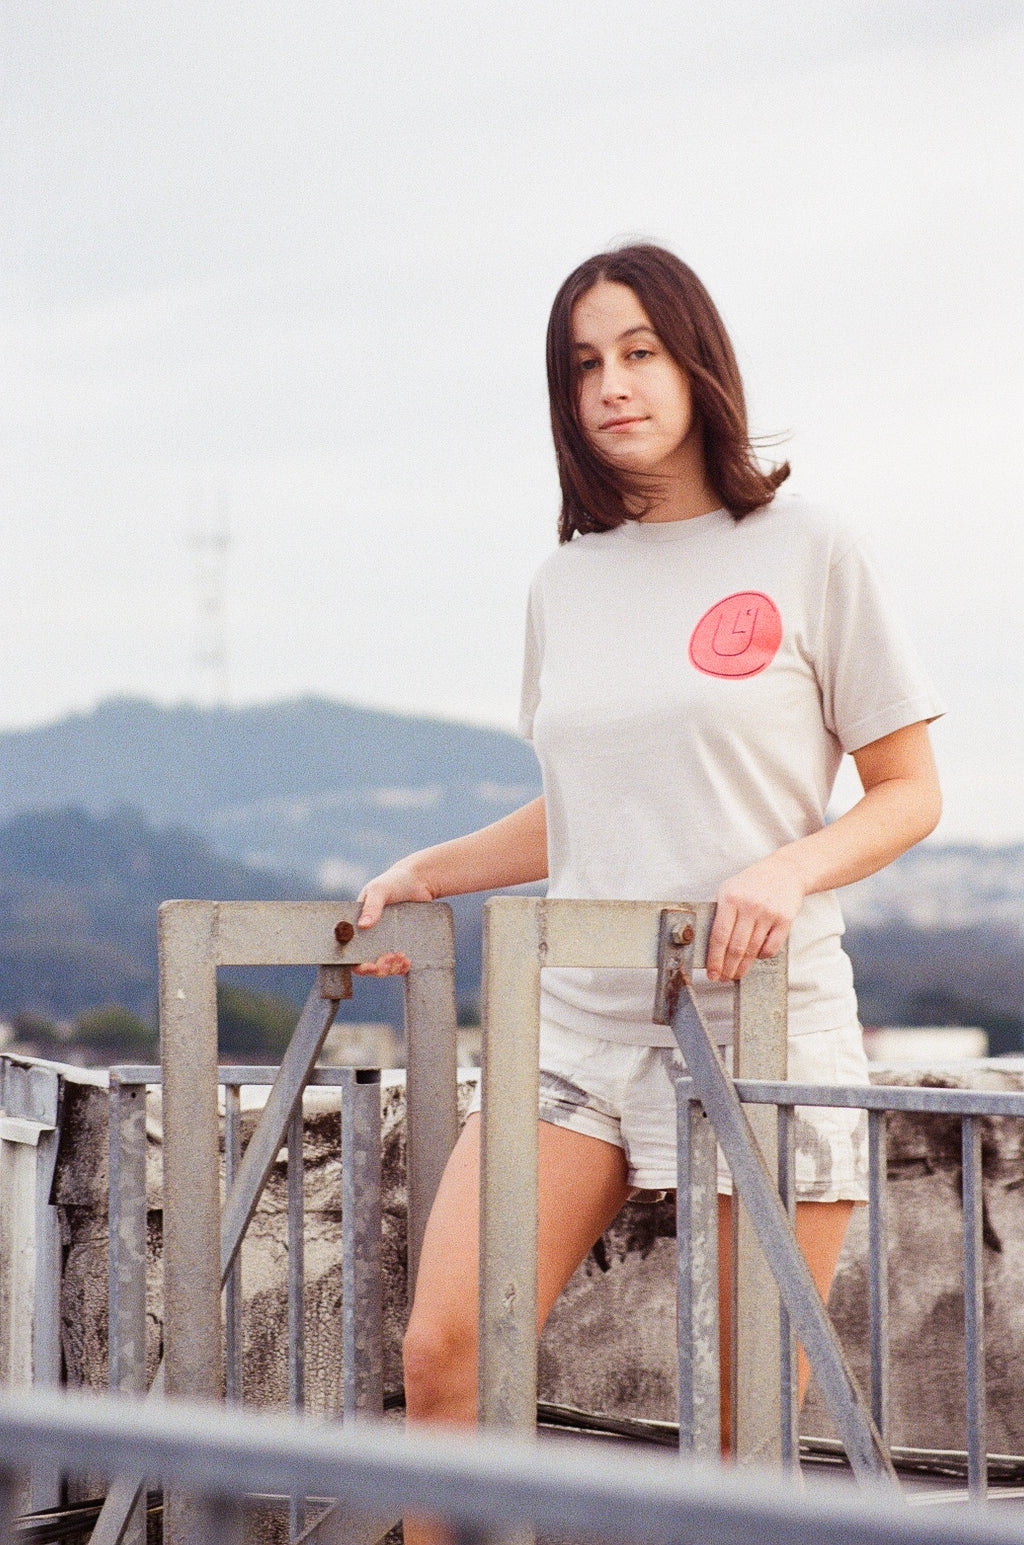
[362, 1307]
[431, 1116]
[974, 1308]
[878, 1268]
[697, 1324]
[296, 1265]
[126, 1371]
[789, 1415]
[296, 1293]
[233, 1330]
[508, 1164]
[760, 1052]
[191, 1217]
[30, 1342]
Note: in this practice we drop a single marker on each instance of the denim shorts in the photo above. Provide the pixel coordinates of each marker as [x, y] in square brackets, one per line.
[625, 1094]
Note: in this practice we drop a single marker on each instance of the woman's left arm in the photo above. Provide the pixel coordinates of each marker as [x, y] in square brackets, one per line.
[900, 806]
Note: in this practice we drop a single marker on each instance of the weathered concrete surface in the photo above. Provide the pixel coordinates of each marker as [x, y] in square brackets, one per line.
[620, 1304]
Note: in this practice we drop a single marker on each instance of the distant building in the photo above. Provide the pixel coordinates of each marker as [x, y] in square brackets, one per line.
[936, 1045]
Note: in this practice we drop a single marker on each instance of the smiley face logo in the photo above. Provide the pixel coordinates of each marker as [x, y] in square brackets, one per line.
[738, 636]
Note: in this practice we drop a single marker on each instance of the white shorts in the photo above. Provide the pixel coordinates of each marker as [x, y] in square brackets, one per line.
[625, 1094]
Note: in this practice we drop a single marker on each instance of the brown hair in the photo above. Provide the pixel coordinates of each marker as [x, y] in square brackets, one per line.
[682, 313]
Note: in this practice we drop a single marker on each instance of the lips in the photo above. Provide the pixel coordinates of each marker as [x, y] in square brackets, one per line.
[622, 423]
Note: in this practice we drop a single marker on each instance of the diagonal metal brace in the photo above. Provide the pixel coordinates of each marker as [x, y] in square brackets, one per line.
[332, 984]
[868, 1455]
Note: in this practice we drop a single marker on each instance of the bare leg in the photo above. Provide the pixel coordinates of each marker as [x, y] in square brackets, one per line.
[820, 1230]
[581, 1187]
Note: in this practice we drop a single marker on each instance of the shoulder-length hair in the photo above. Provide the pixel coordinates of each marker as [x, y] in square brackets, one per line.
[597, 496]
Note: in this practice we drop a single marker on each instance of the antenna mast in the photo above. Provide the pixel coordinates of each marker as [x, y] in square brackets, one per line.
[211, 545]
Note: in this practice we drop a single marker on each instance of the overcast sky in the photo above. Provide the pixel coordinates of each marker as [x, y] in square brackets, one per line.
[289, 266]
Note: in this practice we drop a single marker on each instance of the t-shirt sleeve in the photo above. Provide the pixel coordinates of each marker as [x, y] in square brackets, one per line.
[531, 669]
[872, 680]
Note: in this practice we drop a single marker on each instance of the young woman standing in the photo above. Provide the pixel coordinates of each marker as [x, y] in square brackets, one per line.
[700, 655]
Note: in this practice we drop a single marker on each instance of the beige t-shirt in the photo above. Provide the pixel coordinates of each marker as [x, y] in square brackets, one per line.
[690, 688]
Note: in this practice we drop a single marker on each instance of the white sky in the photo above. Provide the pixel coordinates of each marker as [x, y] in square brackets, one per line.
[294, 261]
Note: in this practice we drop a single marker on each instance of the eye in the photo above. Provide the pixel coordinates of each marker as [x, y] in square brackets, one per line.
[586, 365]
[641, 353]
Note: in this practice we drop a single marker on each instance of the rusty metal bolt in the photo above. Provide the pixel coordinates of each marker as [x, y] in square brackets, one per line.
[344, 932]
[681, 933]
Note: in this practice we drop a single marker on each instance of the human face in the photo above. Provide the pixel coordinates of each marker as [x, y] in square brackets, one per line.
[634, 404]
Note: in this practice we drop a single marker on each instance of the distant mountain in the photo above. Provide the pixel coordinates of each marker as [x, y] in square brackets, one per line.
[943, 887]
[323, 789]
[310, 797]
[78, 913]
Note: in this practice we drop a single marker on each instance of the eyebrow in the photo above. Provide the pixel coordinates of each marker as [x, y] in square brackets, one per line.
[643, 328]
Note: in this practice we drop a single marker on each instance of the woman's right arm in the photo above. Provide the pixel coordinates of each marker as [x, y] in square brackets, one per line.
[512, 851]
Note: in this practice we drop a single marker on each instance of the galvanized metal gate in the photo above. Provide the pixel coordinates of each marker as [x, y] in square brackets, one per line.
[201, 1242]
[522, 935]
[751, 1117]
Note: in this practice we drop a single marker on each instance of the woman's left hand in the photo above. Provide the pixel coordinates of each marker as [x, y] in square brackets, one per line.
[754, 911]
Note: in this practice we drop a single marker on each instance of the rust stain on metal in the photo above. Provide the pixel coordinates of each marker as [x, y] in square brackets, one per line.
[344, 932]
[675, 980]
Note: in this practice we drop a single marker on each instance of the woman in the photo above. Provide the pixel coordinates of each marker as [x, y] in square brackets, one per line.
[699, 657]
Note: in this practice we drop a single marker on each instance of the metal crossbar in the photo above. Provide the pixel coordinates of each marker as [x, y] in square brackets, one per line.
[480, 1482]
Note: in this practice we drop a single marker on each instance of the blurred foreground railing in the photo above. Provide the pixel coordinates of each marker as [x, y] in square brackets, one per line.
[484, 1485]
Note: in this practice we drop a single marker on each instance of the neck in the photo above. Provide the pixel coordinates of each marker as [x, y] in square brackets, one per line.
[682, 490]
[682, 497]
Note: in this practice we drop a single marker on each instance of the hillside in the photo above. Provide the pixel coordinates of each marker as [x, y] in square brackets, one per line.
[322, 789]
[308, 798]
[78, 910]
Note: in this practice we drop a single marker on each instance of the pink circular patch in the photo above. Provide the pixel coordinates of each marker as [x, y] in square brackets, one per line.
[738, 636]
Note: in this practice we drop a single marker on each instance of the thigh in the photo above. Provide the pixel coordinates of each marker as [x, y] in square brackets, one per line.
[581, 1187]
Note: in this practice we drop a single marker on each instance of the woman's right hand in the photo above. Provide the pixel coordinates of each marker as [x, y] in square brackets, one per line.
[399, 883]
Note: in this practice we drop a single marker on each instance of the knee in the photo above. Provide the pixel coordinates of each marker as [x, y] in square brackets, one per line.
[439, 1361]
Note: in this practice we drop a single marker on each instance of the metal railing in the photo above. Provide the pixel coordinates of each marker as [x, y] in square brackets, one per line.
[714, 1110]
[521, 937]
[485, 1485]
[361, 1211]
[969, 1107]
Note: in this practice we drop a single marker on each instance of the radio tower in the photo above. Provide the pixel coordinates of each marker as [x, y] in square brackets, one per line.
[211, 545]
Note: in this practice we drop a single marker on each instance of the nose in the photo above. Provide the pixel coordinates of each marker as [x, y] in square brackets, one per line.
[614, 382]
